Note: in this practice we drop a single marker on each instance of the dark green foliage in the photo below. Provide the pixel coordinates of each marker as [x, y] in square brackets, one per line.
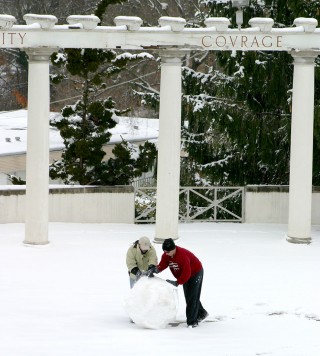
[82, 160]
[85, 125]
[238, 125]
[82, 62]
[129, 162]
[149, 99]
[84, 130]
[239, 121]
[146, 157]
[102, 6]
[16, 180]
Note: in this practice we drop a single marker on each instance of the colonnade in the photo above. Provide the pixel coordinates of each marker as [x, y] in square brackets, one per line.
[168, 173]
[37, 186]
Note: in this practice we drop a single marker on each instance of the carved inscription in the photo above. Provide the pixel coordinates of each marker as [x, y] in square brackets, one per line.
[213, 42]
[242, 41]
[12, 38]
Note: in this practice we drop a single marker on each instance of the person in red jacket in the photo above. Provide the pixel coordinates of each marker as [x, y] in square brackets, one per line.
[188, 271]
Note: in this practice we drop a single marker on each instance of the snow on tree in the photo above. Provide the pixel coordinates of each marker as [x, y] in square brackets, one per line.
[85, 125]
[239, 123]
[236, 112]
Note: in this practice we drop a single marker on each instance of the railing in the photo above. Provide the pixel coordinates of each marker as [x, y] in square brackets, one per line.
[207, 204]
[144, 182]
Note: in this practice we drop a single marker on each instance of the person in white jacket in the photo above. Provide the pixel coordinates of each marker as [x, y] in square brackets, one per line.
[141, 257]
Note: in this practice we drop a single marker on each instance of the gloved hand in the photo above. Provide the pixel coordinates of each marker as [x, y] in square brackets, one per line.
[136, 272]
[174, 283]
[152, 270]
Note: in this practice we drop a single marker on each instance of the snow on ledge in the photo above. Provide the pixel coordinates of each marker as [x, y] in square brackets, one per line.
[45, 21]
[264, 24]
[132, 23]
[176, 23]
[7, 21]
[88, 22]
[308, 24]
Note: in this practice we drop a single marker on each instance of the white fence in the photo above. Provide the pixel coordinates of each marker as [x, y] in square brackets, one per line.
[261, 204]
[201, 204]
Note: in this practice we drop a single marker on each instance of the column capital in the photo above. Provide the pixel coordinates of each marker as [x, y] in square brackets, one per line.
[172, 56]
[40, 54]
[304, 57]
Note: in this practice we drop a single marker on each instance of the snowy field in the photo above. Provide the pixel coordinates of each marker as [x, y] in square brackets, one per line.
[67, 298]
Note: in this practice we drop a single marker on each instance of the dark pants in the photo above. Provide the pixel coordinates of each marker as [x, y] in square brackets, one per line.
[192, 292]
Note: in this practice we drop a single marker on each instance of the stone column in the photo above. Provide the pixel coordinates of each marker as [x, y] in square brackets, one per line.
[300, 189]
[37, 169]
[168, 171]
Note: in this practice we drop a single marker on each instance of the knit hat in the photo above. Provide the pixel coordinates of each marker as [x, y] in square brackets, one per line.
[144, 243]
[168, 245]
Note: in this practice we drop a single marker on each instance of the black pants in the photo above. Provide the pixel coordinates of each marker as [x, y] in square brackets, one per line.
[192, 292]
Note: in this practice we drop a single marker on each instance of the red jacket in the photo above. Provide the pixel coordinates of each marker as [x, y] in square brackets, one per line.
[183, 265]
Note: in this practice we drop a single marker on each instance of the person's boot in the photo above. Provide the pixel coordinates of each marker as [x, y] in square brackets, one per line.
[203, 316]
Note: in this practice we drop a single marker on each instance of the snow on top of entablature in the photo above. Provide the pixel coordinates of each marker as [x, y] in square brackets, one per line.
[88, 22]
[43, 17]
[6, 21]
[128, 18]
[308, 24]
[132, 23]
[45, 21]
[167, 24]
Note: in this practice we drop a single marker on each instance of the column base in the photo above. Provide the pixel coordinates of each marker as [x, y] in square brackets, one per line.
[35, 244]
[158, 240]
[299, 240]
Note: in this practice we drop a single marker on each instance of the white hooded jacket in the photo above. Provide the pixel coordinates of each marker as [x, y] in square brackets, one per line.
[135, 258]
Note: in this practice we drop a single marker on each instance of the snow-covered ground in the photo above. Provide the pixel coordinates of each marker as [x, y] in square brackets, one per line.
[67, 298]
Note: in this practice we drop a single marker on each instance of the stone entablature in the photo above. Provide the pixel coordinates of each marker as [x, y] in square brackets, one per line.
[42, 31]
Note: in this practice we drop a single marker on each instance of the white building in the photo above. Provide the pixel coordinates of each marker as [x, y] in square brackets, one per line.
[13, 140]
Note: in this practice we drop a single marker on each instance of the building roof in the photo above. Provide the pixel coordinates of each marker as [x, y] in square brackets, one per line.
[13, 132]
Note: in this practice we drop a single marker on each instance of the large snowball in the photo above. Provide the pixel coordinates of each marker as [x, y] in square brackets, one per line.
[152, 303]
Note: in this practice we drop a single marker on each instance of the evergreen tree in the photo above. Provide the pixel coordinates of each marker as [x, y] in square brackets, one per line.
[239, 122]
[130, 161]
[85, 126]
